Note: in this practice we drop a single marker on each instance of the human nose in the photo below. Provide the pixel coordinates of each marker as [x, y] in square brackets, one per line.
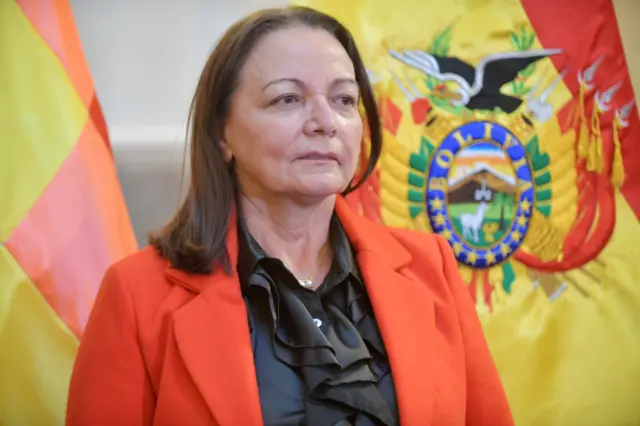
[321, 119]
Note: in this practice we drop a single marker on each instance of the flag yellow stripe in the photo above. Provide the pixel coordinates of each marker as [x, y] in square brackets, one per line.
[42, 115]
[37, 352]
[574, 349]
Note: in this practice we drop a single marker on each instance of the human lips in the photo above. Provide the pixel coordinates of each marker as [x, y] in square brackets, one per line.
[319, 156]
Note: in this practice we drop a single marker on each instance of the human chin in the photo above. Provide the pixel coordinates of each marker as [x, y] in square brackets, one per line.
[321, 184]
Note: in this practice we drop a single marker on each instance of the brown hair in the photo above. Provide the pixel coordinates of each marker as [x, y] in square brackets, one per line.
[194, 240]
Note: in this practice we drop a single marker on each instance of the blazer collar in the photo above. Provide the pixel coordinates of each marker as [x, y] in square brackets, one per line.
[364, 235]
[367, 236]
[212, 331]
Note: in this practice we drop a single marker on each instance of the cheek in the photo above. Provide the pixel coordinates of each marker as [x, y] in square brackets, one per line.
[353, 140]
[275, 142]
[265, 141]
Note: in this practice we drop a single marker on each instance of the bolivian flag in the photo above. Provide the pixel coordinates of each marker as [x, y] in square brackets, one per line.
[511, 129]
[62, 215]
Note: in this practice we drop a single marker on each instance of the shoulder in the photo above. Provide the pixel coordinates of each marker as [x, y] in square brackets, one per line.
[425, 248]
[140, 276]
[146, 262]
[419, 241]
[399, 244]
[400, 247]
[432, 262]
[145, 265]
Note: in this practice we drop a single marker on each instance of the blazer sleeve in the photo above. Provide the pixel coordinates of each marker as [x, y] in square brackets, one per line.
[109, 383]
[486, 400]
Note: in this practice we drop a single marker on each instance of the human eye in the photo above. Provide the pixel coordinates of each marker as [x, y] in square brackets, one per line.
[347, 100]
[288, 99]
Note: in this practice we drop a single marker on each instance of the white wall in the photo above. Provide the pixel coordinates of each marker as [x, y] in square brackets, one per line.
[145, 57]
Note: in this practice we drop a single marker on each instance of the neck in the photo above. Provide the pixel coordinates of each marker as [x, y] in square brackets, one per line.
[296, 234]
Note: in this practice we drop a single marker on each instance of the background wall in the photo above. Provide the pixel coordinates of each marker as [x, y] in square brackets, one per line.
[145, 57]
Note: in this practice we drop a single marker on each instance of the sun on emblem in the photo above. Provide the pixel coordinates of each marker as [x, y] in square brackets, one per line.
[480, 193]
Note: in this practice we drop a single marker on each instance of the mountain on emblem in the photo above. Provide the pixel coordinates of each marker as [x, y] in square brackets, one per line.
[479, 87]
[482, 194]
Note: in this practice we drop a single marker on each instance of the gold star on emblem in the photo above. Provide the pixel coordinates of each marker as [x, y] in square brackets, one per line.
[472, 257]
[440, 219]
[436, 204]
[457, 248]
[446, 234]
[490, 258]
[504, 249]
[522, 221]
[526, 206]
[516, 236]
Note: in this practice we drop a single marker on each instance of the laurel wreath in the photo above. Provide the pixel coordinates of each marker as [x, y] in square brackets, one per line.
[440, 47]
[441, 43]
[522, 40]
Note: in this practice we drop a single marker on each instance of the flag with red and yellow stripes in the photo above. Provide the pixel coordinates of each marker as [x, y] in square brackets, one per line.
[511, 129]
[62, 215]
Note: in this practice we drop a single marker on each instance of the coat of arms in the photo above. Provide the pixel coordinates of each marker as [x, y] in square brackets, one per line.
[513, 182]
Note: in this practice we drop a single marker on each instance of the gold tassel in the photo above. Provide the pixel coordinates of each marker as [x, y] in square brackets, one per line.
[594, 158]
[579, 120]
[599, 155]
[583, 140]
[617, 168]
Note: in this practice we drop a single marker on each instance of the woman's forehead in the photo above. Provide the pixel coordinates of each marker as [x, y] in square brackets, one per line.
[298, 53]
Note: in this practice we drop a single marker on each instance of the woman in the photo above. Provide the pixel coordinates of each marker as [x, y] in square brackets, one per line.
[266, 300]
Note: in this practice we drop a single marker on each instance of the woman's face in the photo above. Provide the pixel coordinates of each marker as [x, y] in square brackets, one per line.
[294, 128]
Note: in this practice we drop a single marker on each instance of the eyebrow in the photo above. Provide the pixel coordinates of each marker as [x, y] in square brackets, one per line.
[301, 84]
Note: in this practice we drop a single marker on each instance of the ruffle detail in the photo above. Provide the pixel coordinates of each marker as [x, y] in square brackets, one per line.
[341, 362]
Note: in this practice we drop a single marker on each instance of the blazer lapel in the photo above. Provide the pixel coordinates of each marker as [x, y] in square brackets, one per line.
[213, 338]
[404, 311]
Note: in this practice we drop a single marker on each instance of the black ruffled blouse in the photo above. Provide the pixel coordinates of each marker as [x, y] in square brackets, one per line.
[319, 357]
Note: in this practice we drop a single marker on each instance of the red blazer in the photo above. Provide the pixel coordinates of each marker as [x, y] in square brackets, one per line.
[166, 348]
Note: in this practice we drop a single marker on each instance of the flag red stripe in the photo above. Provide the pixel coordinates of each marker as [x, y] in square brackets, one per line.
[75, 230]
[592, 32]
